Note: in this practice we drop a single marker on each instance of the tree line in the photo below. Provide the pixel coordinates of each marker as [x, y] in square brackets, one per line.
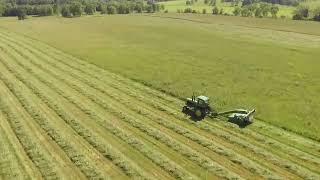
[74, 8]
[304, 12]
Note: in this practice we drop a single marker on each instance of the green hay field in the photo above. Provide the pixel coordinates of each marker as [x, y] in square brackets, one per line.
[61, 117]
[271, 65]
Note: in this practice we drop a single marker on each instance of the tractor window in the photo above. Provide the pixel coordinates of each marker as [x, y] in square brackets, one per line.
[201, 102]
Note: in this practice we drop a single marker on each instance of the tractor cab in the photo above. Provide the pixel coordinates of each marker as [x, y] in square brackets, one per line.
[201, 101]
[198, 107]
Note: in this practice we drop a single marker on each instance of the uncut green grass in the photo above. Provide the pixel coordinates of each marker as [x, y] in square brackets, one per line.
[274, 71]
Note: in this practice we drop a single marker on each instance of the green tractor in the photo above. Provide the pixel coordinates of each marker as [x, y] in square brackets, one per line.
[199, 108]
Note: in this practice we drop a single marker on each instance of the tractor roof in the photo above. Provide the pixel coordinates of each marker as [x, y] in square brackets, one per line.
[204, 98]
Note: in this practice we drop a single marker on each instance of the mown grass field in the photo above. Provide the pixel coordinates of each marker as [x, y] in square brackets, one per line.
[61, 117]
[270, 65]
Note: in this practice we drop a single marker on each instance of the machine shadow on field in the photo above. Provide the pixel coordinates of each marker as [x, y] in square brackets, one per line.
[241, 124]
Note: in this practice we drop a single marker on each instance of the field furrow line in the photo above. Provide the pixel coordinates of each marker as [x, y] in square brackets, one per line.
[155, 156]
[98, 71]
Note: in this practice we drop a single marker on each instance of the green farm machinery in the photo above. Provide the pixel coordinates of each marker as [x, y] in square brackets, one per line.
[199, 108]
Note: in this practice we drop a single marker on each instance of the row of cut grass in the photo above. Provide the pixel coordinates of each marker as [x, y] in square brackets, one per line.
[201, 160]
[253, 167]
[73, 153]
[105, 149]
[156, 157]
[98, 71]
[10, 166]
[30, 146]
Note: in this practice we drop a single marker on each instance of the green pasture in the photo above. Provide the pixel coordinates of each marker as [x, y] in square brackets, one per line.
[270, 65]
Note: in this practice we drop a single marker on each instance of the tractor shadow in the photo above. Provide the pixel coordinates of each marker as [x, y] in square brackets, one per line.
[239, 123]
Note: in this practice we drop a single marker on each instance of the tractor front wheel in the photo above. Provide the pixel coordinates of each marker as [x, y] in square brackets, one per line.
[199, 114]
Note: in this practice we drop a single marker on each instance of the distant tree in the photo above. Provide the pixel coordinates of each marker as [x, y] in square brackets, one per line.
[103, 9]
[215, 10]
[258, 12]
[302, 12]
[213, 2]
[204, 11]
[178, 11]
[194, 11]
[55, 8]
[45, 10]
[138, 7]
[90, 8]
[111, 9]
[274, 11]
[65, 11]
[76, 8]
[265, 9]
[206, 1]
[21, 13]
[166, 11]
[247, 2]
[221, 11]
[162, 7]
[316, 14]
[237, 11]
[188, 2]
[187, 10]
[245, 12]
[2, 7]
[149, 8]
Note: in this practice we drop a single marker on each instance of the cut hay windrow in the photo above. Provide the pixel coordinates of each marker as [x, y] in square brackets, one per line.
[9, 163]
[294, 169]
[106, 150]
[102, 74]
[246, 163]
[42, 68]
[153, 155]
[75, 156]
[97, 72]
[32, 148]
[184, 150]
